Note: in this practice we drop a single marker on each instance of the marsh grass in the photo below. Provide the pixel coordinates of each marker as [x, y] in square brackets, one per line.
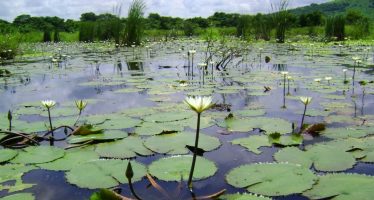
[280, 20]
[134, 29]
[335, 28]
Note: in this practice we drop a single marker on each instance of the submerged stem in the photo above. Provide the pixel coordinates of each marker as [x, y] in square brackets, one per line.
[194, 152]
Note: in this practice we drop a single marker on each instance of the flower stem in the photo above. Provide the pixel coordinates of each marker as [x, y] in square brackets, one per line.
[133, 191]
[194, 152]
[50, 122]
[302, 119]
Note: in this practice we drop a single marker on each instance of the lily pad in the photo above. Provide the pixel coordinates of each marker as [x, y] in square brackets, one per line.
[342, 187]
[176, 168]
[151, 128]
[323, 157]
[168, 116]
[245, 196]
[348, 132]
[272, 179]
[19, 196]
[269, 125]
[126, 148]
[38, 154]
[176, 143]
[7, 154]
[72, 158]
[103, 173]
[13, 171]
[107, 135]
[120, 123]
[16, 187]
[253, 143]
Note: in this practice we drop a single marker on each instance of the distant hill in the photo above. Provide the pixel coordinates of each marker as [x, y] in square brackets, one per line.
[333, 7]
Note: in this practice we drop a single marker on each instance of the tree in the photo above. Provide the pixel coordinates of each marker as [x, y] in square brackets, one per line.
[88, 17]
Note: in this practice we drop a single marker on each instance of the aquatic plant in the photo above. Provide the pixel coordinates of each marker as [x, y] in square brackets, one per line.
[328, 79]
[81, 105]
[305, 101]
[203, 67]
[191, 54]
[134, 29]
[289, 78]
[10, 117]
[129, 176]
[345, 76]
[198, 104]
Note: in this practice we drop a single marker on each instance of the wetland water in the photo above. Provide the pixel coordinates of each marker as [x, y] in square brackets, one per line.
[141, 93]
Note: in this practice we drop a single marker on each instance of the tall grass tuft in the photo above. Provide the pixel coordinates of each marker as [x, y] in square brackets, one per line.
[262, 27]
[335, 28]
[47, 36]
[280, 20]
[134, 29]
[87, 32]
[56, 36]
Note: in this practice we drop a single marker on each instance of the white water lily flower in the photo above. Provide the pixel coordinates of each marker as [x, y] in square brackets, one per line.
[289, 77]
[344, 70]
[284, 73]
[317, 80]
[48, 103]
[202, 65]
[328, 78]
[81, 104]
[305, 100]
[192, 52]
[199, 104]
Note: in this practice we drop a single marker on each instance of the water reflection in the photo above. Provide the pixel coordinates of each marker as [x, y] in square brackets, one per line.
[135, 66]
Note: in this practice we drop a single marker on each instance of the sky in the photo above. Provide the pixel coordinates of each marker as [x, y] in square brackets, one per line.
[72, 9]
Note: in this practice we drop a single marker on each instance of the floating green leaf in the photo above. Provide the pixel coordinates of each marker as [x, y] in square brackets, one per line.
[244, 196]
[107, 135]
[272, 179]
[168, 116]
[270, 125]
[72, 158]
[342, 187]
[7, 154]
[176, 142]
[151, 128]
[19, 196]
[253, 143]
[126, 148]
[347, 132]
[38, 154]
[176, 168]
[323, 157]
[103, 173]
[13, 171]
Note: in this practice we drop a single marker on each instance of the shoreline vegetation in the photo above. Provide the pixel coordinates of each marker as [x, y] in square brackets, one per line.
[280, 26]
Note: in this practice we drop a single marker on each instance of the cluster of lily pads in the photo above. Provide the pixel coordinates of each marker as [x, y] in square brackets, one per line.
[95, 152]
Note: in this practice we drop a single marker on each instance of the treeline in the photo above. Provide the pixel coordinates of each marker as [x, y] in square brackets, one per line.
[107, 26]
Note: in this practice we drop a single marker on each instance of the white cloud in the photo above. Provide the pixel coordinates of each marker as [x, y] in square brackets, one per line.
[9, 9]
